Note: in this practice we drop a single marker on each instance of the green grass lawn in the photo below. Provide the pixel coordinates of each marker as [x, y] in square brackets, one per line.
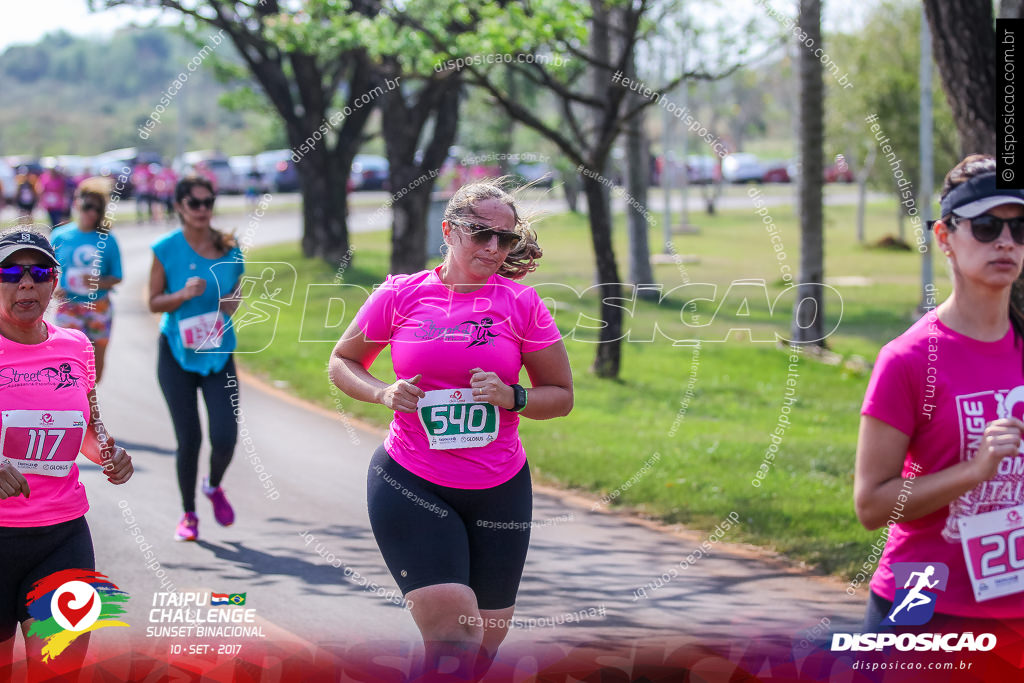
[710, 449]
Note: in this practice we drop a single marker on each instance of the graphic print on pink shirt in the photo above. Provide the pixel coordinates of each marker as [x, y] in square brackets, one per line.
[975, 411]
[443, 335]
[52, 378]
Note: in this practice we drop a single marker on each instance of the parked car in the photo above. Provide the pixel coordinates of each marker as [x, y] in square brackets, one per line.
[776, 172]
[701, 170]
[839, 171]
[369, 172]
[212, 165]
[539, 173]
[742, 168]
[248, 173]
[278, 170]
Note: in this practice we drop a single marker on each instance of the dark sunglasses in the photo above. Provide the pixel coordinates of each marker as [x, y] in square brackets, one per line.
[91, 207]
[986, 227]
[13, 274]
[194, 204]
[481, 234]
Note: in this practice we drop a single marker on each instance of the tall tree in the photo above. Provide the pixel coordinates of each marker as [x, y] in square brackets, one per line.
[598, 39]
[809, 310]
[638, 162]
[301, 61]
[964, 45]
[412, 170]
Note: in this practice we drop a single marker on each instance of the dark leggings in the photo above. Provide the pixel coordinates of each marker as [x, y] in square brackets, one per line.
[33, 553]
[180, 391]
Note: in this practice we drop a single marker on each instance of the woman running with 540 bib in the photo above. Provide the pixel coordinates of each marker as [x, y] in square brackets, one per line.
[449, 492]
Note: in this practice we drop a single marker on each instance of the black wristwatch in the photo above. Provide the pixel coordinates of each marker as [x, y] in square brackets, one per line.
[520, 400]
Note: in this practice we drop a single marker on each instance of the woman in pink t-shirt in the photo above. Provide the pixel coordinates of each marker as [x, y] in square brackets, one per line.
[449, 492]
[939, 459]
[48, 413]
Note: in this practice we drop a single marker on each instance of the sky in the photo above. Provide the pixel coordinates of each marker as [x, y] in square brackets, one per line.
[26, 21]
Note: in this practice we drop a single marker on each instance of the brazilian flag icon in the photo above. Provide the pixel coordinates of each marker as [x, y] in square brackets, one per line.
[237, 598]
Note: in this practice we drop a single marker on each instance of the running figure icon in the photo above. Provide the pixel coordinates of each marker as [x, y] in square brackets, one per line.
[916, 597]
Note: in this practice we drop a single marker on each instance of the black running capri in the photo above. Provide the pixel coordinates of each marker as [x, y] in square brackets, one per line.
[431, 534]
[33, 553]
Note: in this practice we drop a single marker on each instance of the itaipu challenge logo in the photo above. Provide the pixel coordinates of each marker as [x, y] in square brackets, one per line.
[71, 602]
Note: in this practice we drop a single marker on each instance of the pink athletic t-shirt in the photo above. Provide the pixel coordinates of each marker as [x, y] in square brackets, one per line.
[44, 407]
[444, 335]
[942, 388]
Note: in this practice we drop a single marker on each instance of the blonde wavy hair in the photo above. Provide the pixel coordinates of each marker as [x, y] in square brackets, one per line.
[519, 261]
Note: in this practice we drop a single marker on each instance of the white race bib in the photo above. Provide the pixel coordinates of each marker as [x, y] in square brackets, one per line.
[993, 545]
[76, 280]
[41, 441]
[452, 419]
[202, 332]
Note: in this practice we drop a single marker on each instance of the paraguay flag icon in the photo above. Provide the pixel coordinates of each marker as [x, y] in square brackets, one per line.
[71, 602]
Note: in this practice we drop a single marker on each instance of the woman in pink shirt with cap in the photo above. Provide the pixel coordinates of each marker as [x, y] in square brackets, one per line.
[48, 414]
[939, 458]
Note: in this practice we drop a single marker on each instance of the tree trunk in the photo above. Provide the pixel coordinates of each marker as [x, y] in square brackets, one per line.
[809, 309]
[323, 179]
[861, 176]
[403, 122]
[609, 348]
[409, 228]
[964, 45]
[571, 188]
[637, 213]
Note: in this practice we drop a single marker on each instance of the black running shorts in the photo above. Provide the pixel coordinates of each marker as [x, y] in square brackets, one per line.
[33, 553]
[431, 534]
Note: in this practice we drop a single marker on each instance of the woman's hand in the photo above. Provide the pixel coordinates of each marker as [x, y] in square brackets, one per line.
[403, 395]
[488, 388]
[119, 468]
[1001, 439]
[12, 482]
[194, 287]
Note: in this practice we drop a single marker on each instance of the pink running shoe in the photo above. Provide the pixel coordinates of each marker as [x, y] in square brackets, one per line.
[222, 510]
[188, 528]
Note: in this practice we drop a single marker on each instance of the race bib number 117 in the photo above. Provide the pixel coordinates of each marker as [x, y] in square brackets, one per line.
[41, 441]
[452, 419]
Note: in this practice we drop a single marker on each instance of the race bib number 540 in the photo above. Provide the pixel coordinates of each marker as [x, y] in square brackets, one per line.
[452, 419]
[41, 441]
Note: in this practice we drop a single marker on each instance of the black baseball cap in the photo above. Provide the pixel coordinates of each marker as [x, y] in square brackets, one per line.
[976, 196]
[16, 240]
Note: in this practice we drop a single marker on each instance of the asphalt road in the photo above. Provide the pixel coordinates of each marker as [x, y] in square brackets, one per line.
[299, 557]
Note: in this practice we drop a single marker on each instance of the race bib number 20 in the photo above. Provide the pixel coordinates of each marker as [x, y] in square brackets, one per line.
[41, 441]
[993, 544]
[452, 419]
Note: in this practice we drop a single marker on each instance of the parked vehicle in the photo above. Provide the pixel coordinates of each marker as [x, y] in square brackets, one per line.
[776, 172]
[701, 170]
[247, 171]
[742, 168]
[839, 171]
[538, 173]
[278, 170]
[369, 172]
[214, 166]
